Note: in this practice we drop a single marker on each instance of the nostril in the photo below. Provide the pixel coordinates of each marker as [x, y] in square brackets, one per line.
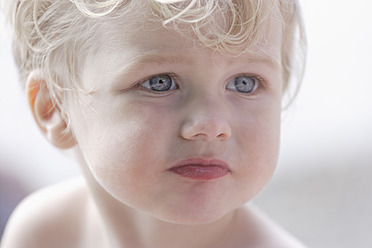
[222, 135]
[206, 131]
[200, 136]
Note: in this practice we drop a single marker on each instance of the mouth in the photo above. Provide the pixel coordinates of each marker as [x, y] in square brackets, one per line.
[201, 169]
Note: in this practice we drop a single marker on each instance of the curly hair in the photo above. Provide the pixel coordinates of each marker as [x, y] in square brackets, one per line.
[47, 33]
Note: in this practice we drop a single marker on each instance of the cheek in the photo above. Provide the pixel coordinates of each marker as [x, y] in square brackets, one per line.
[258, 128]
[258, 146]
[119, 145]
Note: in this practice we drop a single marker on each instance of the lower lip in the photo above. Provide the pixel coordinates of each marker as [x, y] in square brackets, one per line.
[201, 172]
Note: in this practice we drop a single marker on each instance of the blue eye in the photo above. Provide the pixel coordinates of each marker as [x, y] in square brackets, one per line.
[160, 83]
[243, 84]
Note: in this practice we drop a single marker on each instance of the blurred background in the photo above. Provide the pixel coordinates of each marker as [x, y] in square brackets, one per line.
[322, 188]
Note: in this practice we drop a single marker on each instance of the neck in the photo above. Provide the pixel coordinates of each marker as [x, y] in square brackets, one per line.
[135, 229]
[124, 226]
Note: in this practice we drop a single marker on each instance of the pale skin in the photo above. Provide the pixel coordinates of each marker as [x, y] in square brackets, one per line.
[127, 136]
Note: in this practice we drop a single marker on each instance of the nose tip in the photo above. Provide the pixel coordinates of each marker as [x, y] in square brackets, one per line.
[206, 128]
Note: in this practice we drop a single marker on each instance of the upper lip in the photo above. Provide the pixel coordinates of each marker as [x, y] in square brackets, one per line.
[206, 162]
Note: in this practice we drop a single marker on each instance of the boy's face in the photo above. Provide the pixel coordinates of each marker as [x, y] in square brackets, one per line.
[160, 101]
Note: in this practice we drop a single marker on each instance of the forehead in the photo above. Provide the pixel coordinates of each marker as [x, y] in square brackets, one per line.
[140, 20]
[139, 36]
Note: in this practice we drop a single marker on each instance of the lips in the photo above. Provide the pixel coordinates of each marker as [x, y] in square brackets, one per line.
[201, 169]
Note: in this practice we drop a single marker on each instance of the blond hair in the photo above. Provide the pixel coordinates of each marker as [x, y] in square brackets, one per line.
[47, 33]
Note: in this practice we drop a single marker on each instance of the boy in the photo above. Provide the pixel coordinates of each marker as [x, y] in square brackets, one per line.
[173, 111]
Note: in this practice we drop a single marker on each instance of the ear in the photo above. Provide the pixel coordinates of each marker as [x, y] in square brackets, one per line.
[46, 113]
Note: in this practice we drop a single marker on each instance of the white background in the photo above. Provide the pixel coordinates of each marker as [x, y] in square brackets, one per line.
[322, 189]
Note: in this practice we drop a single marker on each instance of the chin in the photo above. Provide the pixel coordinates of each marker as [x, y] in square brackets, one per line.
[196, 214]
[192, 219]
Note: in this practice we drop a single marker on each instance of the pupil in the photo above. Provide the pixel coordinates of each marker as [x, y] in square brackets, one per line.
[161, 83]
[244, 84]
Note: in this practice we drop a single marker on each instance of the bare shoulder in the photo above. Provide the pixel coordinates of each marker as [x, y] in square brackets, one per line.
[48, 217]
[261, 232]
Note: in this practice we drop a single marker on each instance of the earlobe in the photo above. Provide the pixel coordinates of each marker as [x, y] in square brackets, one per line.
[46, 113]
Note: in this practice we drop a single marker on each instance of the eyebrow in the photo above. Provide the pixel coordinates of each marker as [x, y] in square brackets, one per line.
[260, 58]
[153, 58]
[135, 64]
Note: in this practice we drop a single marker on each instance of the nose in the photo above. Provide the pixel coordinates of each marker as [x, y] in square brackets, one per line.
[206, 120]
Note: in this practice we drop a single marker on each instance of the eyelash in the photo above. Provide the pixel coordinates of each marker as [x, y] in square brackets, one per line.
[259, 80]
[139, 84]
